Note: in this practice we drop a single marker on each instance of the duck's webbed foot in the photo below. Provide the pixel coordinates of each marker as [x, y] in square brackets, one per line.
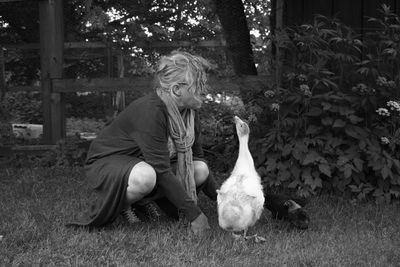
[257, 238]
[236, 236]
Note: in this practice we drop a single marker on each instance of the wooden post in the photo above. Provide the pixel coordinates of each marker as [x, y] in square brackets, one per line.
[397, 7]
[109, 60]
[2, 74]
[120, 95]
[51, 53]
[278, 16]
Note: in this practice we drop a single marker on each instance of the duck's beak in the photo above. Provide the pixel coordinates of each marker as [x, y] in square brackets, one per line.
[237, 119]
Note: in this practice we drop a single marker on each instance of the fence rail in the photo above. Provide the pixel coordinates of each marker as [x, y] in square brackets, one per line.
[137, 84]
[141, 84]
[9, 150]
[153, 44]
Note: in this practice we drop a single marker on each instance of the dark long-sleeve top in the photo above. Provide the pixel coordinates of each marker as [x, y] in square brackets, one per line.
[141, 130]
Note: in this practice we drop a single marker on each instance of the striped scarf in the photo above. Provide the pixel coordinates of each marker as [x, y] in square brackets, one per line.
[181, 128]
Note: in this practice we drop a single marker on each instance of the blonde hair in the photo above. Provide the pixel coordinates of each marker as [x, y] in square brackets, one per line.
[182, 68]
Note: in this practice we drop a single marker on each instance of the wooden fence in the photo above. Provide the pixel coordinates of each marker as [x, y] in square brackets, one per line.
[354, 13]
[53, 84]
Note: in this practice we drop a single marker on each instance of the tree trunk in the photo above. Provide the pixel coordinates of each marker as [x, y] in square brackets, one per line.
[236, 31]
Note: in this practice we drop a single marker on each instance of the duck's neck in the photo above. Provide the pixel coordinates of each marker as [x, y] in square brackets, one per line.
[245, 160]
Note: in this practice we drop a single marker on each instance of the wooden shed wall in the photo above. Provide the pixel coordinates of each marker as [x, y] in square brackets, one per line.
[352, 12]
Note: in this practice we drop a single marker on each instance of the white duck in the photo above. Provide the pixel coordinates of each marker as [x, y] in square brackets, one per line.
[240, 199]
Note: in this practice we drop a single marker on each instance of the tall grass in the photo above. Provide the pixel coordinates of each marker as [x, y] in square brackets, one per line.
[35, 204]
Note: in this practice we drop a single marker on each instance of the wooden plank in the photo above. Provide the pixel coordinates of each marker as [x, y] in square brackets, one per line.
[5, 1]
[279, 14]
[293, 12]
[67, 45]
[119, 97]
[5, 150]
[144, 84]
[21, 46]
[9, 150]
[370, 9]
[51, 50]
[44, 71]
[349, 12]
[176, 44]
[109, 61]
[314, 7]
[80, 45]
[397, 7]
[46, 108]
[277, 24]
[68, 56]
[2, 74]
[83, 56]
[33, 147]
[58, 118]
[141, 84]
[94, 45]
[156, 44]
[23, 88]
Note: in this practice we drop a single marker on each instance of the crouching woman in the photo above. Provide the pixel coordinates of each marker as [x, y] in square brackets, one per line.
[151, 153]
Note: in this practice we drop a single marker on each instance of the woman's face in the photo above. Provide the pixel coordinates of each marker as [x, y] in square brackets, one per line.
[189, 98]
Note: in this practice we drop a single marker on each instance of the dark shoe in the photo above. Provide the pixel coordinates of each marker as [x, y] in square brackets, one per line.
[130, 215]
[168, 208]
[149, 209]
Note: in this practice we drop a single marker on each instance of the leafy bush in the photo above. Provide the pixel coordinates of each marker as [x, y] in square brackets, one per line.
[69, 152]
[79, 125]
[6, 134]
[335, 114]
[218, 131]
[25, 107]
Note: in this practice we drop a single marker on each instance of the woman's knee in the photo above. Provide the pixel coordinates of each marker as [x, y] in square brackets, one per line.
[142, 178]
[201, 172]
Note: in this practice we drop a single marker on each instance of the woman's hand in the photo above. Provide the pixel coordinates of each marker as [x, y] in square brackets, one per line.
[200, 224]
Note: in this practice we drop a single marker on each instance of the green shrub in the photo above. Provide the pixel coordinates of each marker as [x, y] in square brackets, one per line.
[25, 107]
[218, 130]
[84, 124]
[6, 134]
[69, 152]
[336, 114]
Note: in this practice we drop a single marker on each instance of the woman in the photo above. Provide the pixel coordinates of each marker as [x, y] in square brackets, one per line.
[131, 160]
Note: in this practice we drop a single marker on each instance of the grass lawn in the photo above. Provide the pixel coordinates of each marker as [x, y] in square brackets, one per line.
[35, 204]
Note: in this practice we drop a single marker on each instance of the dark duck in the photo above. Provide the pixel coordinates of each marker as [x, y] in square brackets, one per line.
[287, 208]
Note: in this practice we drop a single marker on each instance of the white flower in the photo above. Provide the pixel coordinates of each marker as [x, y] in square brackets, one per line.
[361, 88]
[302, 78]
[290, 76]
[391, 84]
[269, 93]
[381, 81]
[305, 89]
[275, 107]
[383, 112]
[252, 118]
[385, 140]
[393, 105]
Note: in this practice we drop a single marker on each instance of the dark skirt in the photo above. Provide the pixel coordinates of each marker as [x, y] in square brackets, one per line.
[108, 177]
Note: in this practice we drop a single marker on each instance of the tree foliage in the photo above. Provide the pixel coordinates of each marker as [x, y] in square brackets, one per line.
[131, 26]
